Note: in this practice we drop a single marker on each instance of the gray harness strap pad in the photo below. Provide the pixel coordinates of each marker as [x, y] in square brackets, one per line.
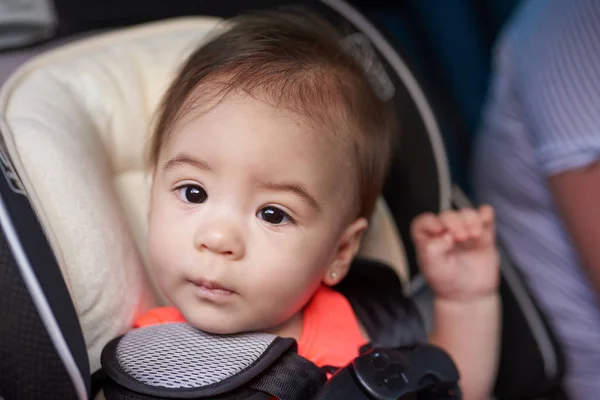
[178, 361]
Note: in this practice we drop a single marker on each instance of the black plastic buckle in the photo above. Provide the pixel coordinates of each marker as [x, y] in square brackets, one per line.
[391, 374]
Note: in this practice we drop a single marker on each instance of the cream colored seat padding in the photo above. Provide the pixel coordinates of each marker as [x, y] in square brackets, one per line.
[76, 122]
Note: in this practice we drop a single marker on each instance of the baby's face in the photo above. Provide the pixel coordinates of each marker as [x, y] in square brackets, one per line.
[247, 214]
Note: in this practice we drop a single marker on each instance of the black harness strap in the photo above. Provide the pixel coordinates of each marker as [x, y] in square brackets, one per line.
[391, 318]
[291, 378]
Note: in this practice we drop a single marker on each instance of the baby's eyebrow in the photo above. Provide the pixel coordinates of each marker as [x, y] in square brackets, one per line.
[294, 188]
[185, 159]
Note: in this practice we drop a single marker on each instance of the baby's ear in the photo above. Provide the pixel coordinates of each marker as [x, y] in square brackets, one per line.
[347, 248]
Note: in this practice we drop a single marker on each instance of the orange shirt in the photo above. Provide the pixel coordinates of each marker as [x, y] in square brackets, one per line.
[330, 332]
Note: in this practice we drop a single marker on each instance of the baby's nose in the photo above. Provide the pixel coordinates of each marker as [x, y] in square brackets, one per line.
[221, 237]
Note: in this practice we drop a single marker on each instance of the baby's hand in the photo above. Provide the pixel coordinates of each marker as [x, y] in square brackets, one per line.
[457, 254]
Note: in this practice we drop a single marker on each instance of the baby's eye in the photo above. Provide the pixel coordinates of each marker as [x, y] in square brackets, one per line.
[192, 194]
[273, 215]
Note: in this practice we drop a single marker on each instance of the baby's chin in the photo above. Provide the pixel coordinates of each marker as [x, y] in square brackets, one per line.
[217, 326]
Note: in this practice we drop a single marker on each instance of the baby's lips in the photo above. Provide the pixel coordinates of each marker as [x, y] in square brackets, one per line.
[212, 285]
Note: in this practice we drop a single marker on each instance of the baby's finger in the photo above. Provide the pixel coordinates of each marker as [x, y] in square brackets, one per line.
[487, 217]
[434, 250]
[486, 213]
[455, 225]
[426, 225]
[472, 221]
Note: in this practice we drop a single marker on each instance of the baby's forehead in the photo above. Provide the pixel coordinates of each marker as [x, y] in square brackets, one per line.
[330, 129]
[265, 141]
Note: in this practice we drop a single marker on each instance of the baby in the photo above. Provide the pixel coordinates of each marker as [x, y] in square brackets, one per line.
[270, 151]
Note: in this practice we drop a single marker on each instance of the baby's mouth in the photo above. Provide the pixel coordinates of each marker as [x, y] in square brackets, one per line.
[212, 288]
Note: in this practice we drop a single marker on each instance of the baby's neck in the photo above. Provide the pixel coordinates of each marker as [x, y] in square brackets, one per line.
[292, 328]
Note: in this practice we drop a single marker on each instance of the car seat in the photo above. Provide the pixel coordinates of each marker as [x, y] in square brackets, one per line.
[73, 124]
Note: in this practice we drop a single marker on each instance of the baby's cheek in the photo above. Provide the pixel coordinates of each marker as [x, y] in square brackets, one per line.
[158, 252]
[288, 291]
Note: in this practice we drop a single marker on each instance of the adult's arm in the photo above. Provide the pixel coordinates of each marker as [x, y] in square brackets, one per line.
[577, 196]
[557, 65]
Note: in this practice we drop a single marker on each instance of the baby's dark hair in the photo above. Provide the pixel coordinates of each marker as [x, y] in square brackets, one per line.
[294, 60]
